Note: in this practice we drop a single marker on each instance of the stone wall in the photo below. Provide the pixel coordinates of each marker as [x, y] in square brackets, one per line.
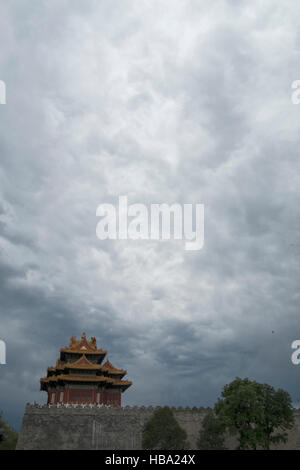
[103, 427]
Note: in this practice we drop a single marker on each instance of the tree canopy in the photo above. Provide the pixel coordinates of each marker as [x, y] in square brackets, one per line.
[8, 437]
[258, 413]
[211, 435]
[163, 432]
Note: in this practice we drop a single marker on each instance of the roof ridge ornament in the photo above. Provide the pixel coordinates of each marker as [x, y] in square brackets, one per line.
[74, 343]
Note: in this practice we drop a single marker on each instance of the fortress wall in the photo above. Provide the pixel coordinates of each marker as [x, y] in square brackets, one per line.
[95, 427]
[111, 428]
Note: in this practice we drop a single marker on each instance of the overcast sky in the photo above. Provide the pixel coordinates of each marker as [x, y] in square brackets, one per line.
[162, 101]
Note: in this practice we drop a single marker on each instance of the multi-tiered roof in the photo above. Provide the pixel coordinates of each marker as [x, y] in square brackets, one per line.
[80, 367]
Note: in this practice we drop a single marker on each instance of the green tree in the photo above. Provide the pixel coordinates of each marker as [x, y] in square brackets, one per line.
[211, 435]
[8, 437]
[256, 412]
[275, 417]
[163, 432]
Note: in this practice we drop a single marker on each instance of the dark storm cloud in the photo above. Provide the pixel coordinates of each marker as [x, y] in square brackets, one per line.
[191, 105]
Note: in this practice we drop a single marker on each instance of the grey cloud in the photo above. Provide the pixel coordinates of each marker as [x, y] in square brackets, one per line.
[189, 105]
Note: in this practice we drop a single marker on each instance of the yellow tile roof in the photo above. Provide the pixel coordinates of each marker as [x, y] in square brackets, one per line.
[83, 346]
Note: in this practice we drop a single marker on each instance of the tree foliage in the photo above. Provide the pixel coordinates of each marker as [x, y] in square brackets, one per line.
[8, 437]
[211, 435]
[256, 412]
[163, 432]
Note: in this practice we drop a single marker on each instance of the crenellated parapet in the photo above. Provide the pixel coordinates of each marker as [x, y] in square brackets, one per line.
[142, 408]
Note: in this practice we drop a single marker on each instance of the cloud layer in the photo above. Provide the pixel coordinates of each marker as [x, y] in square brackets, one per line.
[189, 104]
